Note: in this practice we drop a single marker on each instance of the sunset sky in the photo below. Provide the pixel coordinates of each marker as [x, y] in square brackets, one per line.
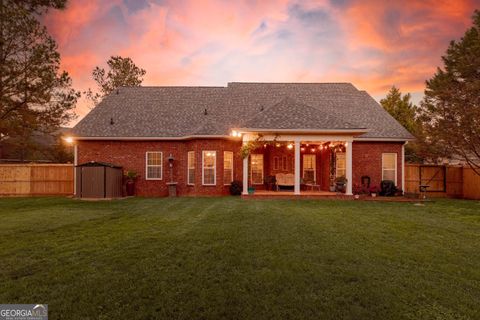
[372, 44]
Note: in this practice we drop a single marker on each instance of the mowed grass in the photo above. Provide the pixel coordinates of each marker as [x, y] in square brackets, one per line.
[227, 258]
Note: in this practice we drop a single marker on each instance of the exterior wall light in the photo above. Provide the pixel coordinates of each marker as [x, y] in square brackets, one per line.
[68, 140]
[170, 160]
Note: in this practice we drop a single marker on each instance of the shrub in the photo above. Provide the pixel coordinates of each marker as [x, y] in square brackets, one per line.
[374, 189]
[388, 188]
[236, 188]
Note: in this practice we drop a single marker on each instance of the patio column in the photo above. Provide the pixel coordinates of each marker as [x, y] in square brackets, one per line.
[297, 167]
[245, 176]
[348, 171]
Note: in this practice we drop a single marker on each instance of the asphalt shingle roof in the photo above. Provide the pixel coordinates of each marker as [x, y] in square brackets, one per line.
[290, 114]
[180, 111]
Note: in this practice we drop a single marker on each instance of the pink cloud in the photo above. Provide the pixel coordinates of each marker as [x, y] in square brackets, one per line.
[373, 44]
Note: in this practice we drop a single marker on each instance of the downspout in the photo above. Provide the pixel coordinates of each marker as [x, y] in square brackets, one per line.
[403, 166]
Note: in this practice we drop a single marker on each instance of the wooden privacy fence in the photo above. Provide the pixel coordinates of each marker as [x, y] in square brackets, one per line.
[36, 179]
[443, 181]
[471, 184]
[57, 179]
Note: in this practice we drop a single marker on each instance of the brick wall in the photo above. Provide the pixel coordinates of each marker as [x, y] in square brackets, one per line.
[367, 160]
[131, 156]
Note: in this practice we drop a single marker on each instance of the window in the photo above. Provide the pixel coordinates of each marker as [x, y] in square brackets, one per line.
[257, 168]
[209, 168]
[191, 167]
[276, 163]
[309, 168]
[280, 163]
[227, 167]
[340, 164]
[154, 162]
[389, 167]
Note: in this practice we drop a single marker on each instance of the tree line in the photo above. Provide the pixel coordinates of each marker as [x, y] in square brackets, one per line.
[37, 97]
[446, 124]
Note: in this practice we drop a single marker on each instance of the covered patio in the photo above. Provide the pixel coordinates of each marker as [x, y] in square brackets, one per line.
[296, 163]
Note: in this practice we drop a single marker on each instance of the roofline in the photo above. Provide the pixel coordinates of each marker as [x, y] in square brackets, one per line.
[228, 137]
[313, 131]
[158, 138]
[384, 139]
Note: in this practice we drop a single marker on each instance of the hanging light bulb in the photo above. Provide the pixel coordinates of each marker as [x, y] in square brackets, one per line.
[290, 146]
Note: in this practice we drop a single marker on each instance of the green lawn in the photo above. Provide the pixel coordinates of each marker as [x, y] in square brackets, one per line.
[227, 258]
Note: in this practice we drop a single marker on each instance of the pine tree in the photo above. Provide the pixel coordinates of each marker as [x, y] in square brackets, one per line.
[405, 112]
[451, 107]
[122, 72]
[35, 95]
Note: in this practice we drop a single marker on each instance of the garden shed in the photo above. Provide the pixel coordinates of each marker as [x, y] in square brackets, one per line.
[98, 180]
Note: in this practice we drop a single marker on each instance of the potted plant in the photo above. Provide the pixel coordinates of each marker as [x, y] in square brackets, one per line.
[236, 188]
[340, 183]
[332, 187]
[374, 190]
[251, 190]
[130, 177]
[356, 191]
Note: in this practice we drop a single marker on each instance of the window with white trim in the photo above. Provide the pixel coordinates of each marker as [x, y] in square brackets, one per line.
[227, 167]
[191, 168]
[257, 168]
[340, 164]
[154, 165]
[389, 167]
[209, 163]
[309, 168]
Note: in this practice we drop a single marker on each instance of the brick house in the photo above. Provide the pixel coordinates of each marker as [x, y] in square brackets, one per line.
[303, 134]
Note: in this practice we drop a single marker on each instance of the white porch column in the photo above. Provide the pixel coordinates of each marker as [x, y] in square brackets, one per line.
[348, 171]
[245, 176]
[297, 167]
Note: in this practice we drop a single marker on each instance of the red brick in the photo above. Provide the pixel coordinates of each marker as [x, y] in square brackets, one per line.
[367, 160]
